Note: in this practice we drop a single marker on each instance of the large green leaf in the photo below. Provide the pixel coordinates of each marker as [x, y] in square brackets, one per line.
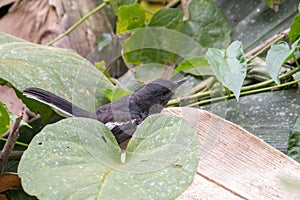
[161, 51]
[168, 17]
[168, 38]
[4, 118]
[277, 55]
[207, 24]
[229, 66]
[79, 159]
[61, 71]
[159, 45]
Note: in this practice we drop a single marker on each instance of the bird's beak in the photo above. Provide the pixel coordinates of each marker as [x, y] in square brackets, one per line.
[179, 82]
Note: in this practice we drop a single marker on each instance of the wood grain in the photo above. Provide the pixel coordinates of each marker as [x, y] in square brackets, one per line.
[234, 164]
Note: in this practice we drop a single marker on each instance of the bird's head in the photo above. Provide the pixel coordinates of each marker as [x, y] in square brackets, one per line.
[155, 95]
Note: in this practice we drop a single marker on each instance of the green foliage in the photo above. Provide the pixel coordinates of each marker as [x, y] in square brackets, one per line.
[229, 66]
[79, 159]
[130, 17]
[116, 4]
[60, 71]
[294, 33]
[198, 63]
[4, 118]
[294, 142]
[207, 24]
[167, 17]
[167, 38]
[277, 55]
[117, 93]
[154, 45]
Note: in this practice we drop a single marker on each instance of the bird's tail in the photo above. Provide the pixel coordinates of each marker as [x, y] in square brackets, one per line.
[58, 103]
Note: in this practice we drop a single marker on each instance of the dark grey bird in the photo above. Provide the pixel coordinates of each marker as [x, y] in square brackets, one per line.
[122, 116]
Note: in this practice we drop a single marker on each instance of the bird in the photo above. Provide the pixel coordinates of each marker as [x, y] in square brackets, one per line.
[121, 116]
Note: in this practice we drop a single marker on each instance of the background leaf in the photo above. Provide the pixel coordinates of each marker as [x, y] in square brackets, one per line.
[159, 45]
[167, 37]
[79, 158]
[168, 17]
[117, 93]
[207, 19]
[199, 65]
[4, 118]
[229, 66]
[116, 4]
[130, 17]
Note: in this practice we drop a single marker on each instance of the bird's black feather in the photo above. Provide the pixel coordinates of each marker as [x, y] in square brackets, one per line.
[122, 116]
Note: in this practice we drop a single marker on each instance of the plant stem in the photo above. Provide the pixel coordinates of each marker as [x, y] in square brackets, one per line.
[17, 143]
[244, 93]
[295, 59]
[194, 96]
[9, 144]
[267, 44]
[172, 3]
[254, 87]
[80, 21]
[268, 82]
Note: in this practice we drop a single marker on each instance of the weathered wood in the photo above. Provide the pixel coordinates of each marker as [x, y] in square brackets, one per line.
[234, 164]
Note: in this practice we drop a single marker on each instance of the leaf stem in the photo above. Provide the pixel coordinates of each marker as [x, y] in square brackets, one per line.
[80, 21]
[270, 81]
[251, 88]
[9, 144]
[193, 96]
[17, 142]
[244, 93]
[172, 3]
[264, 46]
[296, 61]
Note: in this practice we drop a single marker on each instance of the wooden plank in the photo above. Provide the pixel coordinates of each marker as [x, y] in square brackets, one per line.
[203, 188]
[235, 162]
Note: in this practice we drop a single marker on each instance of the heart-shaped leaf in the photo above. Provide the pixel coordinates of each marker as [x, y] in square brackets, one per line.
[277, 55]
[79, 159]
[229, 66]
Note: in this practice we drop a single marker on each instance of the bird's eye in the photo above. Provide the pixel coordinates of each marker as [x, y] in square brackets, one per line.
[166, 92]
